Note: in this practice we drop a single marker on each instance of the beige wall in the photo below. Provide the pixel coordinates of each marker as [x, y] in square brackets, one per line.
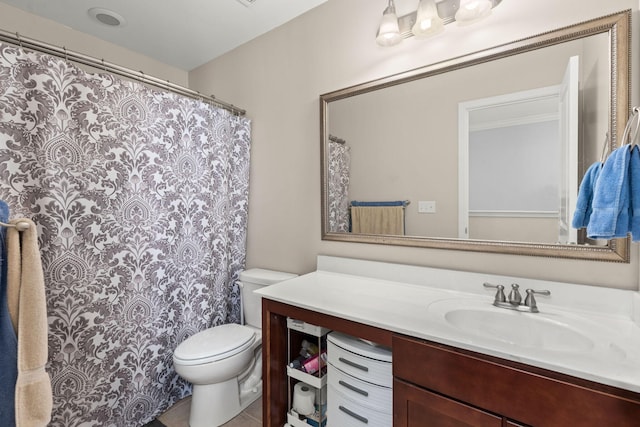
[14, 20]
[278, 78]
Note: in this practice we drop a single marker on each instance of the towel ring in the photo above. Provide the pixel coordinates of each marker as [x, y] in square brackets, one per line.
[636, 112]
[635, 116]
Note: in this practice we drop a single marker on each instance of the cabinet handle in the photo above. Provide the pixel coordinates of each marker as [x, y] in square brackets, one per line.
[353, 414]
[354, 388]
[353, 364]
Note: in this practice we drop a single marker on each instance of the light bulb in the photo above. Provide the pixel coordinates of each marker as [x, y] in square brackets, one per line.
[389, 31]
[473, 10]
[428, 22]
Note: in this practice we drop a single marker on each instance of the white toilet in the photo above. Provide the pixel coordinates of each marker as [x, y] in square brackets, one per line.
[224, 363]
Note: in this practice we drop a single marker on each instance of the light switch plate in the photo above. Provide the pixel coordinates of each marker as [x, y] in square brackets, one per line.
[428, 206]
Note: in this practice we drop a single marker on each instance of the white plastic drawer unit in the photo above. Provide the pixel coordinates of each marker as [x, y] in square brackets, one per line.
[360, 378]
[361, 392]
[370, 363]
[343, 412]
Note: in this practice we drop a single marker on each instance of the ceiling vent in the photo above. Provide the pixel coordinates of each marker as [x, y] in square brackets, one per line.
[246, 3]
[107, 17]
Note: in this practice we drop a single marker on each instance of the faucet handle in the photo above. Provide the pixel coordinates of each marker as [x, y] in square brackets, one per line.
[500, 297]
[530, 300]
[515, 298]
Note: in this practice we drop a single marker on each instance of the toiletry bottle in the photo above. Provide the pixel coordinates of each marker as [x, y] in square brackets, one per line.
[308, 348]
[297, 362]
[317, 362]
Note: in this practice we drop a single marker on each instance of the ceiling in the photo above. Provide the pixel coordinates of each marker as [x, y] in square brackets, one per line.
[181, 33]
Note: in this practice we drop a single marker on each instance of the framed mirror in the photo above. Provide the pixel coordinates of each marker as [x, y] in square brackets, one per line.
[482, 152]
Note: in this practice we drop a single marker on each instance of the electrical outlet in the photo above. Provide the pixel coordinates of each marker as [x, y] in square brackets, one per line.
[427, 206]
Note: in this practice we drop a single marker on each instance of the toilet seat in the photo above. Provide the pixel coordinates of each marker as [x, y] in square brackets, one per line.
[214, 344]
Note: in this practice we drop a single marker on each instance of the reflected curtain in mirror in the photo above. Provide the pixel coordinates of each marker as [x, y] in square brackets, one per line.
[339, 167]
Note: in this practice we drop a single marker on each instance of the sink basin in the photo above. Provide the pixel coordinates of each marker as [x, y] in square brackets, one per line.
[521, 329]
[483, 321]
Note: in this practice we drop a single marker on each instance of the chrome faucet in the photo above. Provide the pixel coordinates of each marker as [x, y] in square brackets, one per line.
[514, 301]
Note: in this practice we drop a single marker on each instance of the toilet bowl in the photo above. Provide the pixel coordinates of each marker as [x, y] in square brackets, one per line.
[224, 363]
[212, 360]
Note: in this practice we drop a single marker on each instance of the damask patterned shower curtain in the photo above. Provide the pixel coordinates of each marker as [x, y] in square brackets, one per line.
[338, 186]
[140, 198]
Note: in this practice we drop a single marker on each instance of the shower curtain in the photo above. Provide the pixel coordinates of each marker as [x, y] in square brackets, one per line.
[338, 187]
[140, 199]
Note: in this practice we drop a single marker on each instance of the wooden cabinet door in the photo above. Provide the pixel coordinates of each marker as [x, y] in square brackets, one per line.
[417, 407]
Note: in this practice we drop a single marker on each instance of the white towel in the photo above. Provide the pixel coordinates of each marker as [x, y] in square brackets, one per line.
[28, 310]
[377, 220]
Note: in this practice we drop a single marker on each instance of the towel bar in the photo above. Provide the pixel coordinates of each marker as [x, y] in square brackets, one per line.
[21, 225]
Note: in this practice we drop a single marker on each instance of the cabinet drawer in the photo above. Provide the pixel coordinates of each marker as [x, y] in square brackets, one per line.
[365, 368]
[344, 412]
[364, 393]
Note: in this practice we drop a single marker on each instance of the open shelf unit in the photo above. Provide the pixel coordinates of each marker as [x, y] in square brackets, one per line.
[297, 332]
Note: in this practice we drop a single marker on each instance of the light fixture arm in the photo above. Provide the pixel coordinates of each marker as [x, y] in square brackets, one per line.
[391, 8]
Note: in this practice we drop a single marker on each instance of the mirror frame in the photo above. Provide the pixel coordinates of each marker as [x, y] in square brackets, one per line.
[617, 26]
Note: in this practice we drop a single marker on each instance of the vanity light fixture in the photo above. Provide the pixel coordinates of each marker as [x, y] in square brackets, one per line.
[430, 18]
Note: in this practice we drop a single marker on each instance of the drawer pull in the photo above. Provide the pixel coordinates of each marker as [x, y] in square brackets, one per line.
[353, 414]
[353, 364]
[354, 388]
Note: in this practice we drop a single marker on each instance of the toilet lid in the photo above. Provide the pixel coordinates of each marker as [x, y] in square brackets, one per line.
[215, 343]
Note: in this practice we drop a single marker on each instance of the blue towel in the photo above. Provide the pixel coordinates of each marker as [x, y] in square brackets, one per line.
[8, 339]
[634, 188]
[585, 196]
[611, 204]
[395, 203]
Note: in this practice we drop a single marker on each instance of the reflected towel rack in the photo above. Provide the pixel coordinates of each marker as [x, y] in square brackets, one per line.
[336, 139]
[403, 203]
[20, 225]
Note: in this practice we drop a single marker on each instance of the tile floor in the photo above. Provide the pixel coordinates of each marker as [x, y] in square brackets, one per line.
[178, 415]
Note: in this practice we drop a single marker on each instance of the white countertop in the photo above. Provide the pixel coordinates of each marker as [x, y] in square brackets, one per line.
[414, 305]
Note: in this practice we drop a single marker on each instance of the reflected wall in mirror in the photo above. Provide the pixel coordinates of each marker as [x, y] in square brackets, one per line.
[488, 148]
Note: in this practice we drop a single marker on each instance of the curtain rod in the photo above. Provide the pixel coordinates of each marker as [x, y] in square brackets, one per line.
[69, 55]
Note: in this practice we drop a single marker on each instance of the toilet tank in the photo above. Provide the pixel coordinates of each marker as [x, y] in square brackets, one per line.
[252, 279]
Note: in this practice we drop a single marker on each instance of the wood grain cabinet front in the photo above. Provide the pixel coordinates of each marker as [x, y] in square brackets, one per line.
[435, 385]
[517, 394]
[416, 407]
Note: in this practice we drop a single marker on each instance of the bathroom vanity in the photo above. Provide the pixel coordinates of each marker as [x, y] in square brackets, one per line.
[457, 359]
